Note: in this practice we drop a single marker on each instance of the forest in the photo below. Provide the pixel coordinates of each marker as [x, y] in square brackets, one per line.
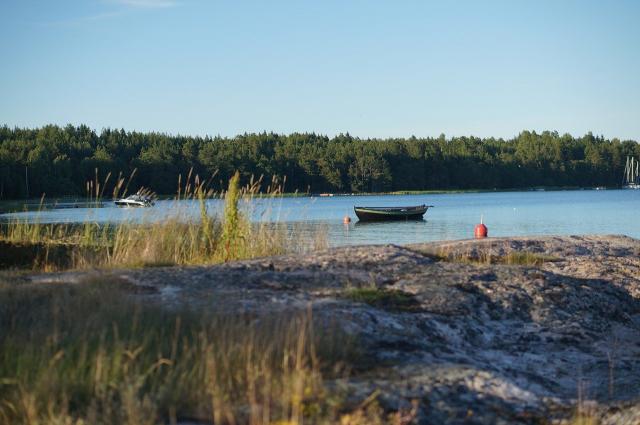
[58, 161]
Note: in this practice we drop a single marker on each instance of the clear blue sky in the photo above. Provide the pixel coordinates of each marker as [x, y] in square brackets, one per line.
[370, 68]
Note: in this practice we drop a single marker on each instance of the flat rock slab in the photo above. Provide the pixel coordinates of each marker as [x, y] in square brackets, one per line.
[483, 341]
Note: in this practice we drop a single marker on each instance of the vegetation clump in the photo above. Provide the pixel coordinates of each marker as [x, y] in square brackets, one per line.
[485, 256]
[127, 362]
[391, 299]
[526, 258]
[183, 238]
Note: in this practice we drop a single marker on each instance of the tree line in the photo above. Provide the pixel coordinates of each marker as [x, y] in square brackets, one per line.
[58, 161]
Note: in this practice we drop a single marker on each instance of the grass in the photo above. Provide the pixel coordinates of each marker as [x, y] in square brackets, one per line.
[583, 419]
[485, 256]
[391, 299]
[130, 362]
[179, 240]
[94, 353]
[525, 258]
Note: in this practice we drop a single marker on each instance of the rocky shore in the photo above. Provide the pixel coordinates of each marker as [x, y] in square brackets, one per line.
[503, 330]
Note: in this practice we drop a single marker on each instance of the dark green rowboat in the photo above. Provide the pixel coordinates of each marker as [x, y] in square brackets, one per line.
[391, 213]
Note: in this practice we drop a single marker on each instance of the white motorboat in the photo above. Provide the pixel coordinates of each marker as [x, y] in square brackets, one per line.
[136, 200]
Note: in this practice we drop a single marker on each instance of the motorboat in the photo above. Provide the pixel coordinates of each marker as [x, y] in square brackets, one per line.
[136, 200]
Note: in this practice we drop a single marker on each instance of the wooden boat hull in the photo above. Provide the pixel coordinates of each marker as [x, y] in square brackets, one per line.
[388, 214]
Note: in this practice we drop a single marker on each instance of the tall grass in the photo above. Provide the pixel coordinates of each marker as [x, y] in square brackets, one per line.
[491, 254]
[181, 239]
[94, 353]
[131, 363]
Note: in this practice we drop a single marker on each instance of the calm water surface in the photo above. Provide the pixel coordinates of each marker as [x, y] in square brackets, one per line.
[453, 216]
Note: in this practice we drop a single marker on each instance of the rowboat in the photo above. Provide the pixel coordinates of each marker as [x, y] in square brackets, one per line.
[391, 213]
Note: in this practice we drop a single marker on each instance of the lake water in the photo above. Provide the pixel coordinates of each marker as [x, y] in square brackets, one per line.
[452, 217]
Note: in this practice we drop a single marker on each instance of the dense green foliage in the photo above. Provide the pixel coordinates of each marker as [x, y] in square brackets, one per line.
[58, 161]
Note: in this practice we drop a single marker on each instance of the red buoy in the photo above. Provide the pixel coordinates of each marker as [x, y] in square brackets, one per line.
[481, 230]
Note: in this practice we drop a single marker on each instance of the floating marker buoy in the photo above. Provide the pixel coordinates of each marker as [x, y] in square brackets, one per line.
[346, 219]
[481, 230]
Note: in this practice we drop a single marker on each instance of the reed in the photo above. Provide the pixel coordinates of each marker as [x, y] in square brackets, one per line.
[179, 240]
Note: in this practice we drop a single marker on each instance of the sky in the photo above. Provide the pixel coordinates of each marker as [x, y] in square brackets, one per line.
[370, 68]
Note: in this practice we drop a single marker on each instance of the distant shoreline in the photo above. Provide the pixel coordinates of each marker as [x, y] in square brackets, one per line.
[33, 204]
[454, 191]
[74, 157]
